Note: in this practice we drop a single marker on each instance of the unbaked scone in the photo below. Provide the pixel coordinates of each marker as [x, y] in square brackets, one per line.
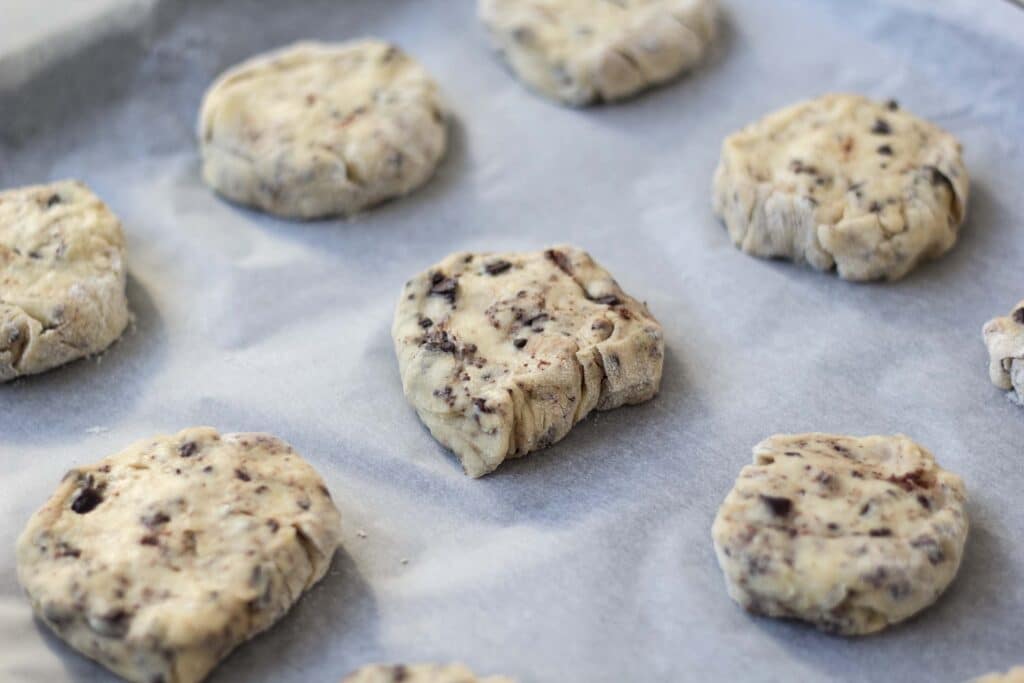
[62, 277]
[1004, 338]
[158, 561]
[501, 354]
[844, 182]
[850, 534]
[419, 673]
[583, 51]
[1014, 675]
[315, 129]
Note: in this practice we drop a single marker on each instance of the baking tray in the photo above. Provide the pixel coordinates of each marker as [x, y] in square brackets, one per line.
[592, 560]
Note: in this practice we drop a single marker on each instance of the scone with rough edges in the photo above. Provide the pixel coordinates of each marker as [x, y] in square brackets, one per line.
[1014, 675]
[850, 534]
[158, 561]
[583, 51]
[1004, 338]
[844, 182]
[501, 354]
[419, 673]
[316, 129]
[62, 277]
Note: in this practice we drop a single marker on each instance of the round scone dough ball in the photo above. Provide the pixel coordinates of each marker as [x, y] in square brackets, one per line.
[583, 51]
[1004, 337]
[419, 673]
[157, 561]
[1014, 675]
[844, 182]
[501, 354]
[62, 277]
[315, 129]
[850, 534]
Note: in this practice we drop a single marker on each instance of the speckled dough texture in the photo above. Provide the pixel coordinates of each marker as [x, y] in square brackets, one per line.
[1004, 337]
[159, 560]
[1014, 675]
[850, 534]
[419, 673]
[501, 354]
[845, 182]
[62, 277]
[583, 51]
[316, 129]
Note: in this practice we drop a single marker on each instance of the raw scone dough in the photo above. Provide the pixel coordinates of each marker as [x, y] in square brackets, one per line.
[582, 51]
[62, 277]
[315, 130]
[159, 560]
[1004, 338]
[419, 673]
[843, 181]
[850, 534]
[501, 354]
[1014, 675]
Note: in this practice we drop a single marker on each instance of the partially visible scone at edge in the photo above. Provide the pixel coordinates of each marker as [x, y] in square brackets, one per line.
[1014, 675]
[1004, 337]
[420, 673]
[502, 353]
[62, 277]
[583, 51]
[316, 129]
[850, 534]
[159, 560]
[843, 181]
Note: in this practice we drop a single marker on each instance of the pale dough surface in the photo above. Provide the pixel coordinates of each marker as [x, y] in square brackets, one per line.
[317, 129]
[843, 181]
[582, 51]
[62, 277]
[1014, 675]
[1004, 337]
[159, 560]
[502, 353]
[420, 673]
[850, 534]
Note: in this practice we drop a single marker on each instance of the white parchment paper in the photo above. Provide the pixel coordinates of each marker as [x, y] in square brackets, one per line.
[592, 560]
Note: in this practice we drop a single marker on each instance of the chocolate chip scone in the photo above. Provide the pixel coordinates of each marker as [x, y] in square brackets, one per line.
[319, 129]
[62, 277]
[158, 561]
[850, 534]
[1014, 675]
[1004, 337]
[419, 673]
[583, 51]
[501, 354]
[844, 182]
